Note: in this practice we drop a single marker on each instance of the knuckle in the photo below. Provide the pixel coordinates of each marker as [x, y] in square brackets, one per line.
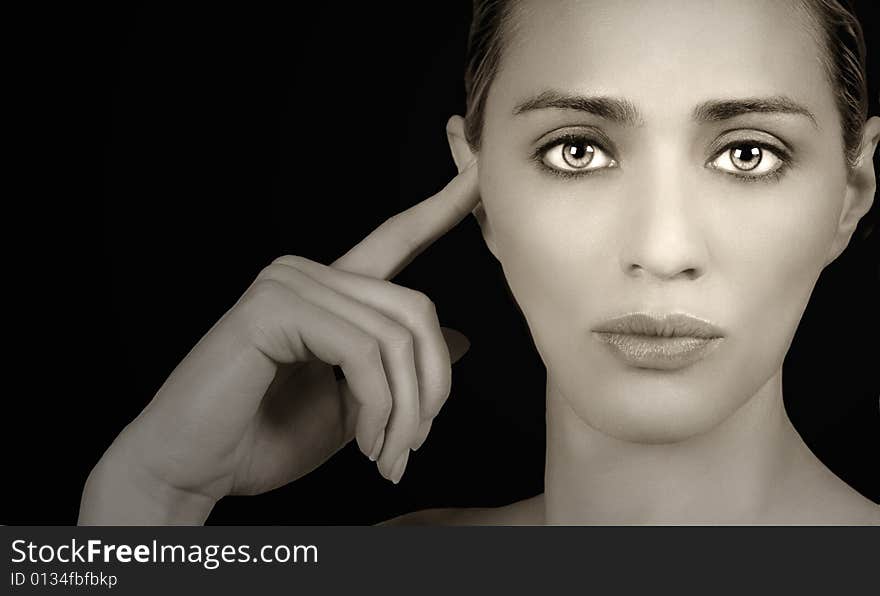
[424, 304]
[385, 405]
[289, 260]
[420, 309]
[261, 305]
[369, 349]
[264, 290]
[270, 272]
[399, 339]
[392, 219]
[258, 313]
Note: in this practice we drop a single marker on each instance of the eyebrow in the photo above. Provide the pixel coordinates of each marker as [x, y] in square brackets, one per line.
[620, 111]
[624, 112]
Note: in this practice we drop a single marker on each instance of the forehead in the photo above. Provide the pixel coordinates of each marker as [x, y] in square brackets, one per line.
[664, 54]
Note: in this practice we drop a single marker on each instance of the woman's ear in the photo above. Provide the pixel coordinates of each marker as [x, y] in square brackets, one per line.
[463, 156]
[458, 145]
[860, 187]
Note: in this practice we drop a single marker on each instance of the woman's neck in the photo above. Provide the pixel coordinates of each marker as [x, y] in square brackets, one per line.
[730, 474]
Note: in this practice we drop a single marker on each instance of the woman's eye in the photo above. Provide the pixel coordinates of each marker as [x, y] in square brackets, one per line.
[747, 159]
[577, 155]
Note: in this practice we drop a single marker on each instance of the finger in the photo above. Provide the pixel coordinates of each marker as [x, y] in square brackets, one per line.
[352, 416]
[424, 429]
[458, 345]
[288, 328]
[396, 344]
[408, 307]
[390, 247]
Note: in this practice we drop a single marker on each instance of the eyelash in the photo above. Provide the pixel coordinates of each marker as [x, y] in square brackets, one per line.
[783, 156]
[538, 156]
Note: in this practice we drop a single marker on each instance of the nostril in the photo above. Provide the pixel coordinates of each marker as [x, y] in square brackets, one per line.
[690, 273]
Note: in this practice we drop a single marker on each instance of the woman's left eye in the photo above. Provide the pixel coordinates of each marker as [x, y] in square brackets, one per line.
[576, 154]
[748, 159]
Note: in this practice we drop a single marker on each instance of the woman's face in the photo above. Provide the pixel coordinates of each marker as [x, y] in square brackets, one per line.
[672, 211]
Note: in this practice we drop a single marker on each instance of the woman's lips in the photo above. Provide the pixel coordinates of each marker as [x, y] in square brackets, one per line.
[657, 341]
[664, 353]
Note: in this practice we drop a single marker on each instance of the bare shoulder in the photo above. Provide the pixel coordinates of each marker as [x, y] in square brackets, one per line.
[527, 512]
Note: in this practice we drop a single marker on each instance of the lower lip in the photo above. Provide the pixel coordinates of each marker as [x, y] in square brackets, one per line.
[662, 353]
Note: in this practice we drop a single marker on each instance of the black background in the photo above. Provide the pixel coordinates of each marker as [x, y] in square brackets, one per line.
[170, 152]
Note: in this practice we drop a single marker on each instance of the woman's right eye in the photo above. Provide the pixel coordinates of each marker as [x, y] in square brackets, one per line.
[573, 155]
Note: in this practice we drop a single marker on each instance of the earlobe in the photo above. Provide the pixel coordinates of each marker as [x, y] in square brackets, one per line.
[463, 156]
[860, 188]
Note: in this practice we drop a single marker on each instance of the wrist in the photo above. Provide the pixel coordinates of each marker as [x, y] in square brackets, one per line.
[119, 491]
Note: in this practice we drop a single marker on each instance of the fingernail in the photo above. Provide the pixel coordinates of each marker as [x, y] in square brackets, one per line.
[377, 448]
[399, 466]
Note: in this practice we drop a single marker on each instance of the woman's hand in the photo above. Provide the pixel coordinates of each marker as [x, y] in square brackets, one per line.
[256, 404]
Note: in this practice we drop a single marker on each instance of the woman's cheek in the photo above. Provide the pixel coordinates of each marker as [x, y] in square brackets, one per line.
[772, 263]
[794, 232]
[544, 247]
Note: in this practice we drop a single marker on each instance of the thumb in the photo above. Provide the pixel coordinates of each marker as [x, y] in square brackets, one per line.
[457, 343]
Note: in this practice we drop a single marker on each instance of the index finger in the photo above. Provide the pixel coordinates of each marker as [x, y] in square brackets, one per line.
[402, 237]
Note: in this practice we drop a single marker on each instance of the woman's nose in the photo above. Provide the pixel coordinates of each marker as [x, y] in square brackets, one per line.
[663, 235]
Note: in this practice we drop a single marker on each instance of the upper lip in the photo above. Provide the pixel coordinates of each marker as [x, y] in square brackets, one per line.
[663, 325]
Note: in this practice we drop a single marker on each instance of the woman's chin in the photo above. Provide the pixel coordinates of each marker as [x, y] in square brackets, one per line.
[639, 427]
[656, 409]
